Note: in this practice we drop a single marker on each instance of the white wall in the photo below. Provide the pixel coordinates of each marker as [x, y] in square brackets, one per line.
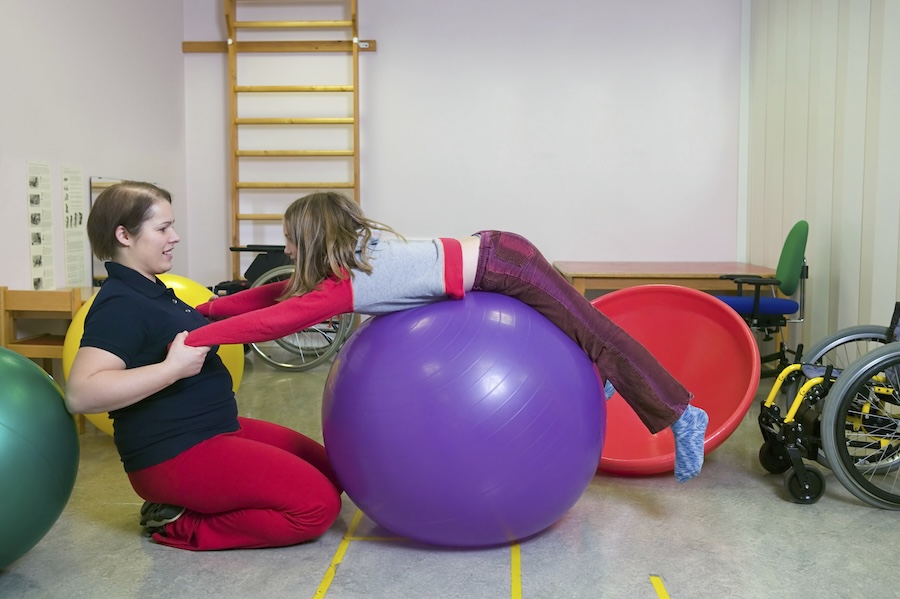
[94, 84]
[206, 145]
[604, 130]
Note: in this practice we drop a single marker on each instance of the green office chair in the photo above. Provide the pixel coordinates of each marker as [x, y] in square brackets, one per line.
[766, 311]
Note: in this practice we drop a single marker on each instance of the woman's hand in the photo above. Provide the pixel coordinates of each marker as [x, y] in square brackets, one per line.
[185, 360]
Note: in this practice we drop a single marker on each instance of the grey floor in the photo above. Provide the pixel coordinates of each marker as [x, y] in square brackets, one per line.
[728, 533]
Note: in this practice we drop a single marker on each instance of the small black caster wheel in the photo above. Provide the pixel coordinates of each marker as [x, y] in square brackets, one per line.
[811, 492]
[773, 456]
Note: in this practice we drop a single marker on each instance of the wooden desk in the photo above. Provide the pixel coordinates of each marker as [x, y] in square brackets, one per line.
[619, 275]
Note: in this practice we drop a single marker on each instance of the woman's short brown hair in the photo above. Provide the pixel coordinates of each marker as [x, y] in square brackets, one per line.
[127, 204]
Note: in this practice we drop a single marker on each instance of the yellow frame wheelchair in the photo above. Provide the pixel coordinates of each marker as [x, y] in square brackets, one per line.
[843, 411]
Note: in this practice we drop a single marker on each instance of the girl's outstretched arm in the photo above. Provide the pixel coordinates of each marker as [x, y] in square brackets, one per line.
[243, 301]
[333, 297]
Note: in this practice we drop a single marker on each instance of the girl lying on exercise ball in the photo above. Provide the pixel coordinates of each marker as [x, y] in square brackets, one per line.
[343, 265]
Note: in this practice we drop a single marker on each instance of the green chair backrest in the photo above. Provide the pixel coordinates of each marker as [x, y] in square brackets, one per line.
[790, 264]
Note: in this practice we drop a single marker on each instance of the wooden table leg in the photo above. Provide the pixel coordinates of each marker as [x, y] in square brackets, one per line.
[579, 284]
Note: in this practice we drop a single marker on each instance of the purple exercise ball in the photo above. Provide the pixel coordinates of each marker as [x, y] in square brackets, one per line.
[463, 423]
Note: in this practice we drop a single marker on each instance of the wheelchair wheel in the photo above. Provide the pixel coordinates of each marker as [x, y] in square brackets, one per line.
[840, 350]
[773, 457]
[804, 494]
[861, 428]
[305, 349]
[846, 346]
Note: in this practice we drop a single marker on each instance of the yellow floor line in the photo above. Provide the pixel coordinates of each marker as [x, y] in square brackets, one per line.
[657, 583]
[515, 561]
[515, 567]
[338, 557]
[390, 539]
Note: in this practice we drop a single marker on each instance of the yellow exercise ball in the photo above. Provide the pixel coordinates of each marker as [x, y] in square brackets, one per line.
[188, 291]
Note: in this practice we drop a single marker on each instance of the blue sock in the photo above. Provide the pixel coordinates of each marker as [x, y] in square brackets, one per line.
[689, 432]
[608, 389]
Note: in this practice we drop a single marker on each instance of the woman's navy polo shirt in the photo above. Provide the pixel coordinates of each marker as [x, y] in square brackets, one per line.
[136, 319]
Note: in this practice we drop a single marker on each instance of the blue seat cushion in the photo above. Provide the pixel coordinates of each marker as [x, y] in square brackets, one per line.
[768, 306]
[812, 371]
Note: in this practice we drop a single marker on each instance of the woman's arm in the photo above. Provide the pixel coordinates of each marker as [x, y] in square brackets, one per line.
[99, 382]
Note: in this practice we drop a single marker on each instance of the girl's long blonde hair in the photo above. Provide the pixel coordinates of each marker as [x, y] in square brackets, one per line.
[326, 228]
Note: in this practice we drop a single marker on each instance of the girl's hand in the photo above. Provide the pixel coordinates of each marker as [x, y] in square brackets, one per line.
[206, 307]
[185, 360]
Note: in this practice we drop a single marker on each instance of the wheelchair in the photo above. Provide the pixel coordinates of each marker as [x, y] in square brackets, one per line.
[304, 349]
[843, 412]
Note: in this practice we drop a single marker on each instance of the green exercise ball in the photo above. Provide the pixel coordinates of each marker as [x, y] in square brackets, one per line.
[38, 455]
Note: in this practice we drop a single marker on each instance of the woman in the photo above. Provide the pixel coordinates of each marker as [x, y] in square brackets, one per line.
[211, 479]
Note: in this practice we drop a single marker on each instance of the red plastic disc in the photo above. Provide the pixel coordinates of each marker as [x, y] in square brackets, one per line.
[705, 345]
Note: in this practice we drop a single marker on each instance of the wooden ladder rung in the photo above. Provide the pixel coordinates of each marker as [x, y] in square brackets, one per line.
[292, 24]
[280, 46]
[259, 216]
[295, 121]
[292, 88]
[294, 185]
[295, 153]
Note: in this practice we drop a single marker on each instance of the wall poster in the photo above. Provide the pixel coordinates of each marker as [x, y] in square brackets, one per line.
[74, 217]
[40, 225]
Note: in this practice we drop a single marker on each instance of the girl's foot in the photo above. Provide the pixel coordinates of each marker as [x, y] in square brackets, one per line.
[608, 390]
[689, 431]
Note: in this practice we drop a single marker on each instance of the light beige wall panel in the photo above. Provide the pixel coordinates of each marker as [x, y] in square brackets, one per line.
[796, 121]
[824, 145]
[776, 74]
[853, 49]
[756, 138]
[869, 212]
[885, 217]
[796, 113]
[819, 201]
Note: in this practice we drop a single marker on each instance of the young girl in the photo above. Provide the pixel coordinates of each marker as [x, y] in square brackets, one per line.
[212, 479]
[343, 265]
